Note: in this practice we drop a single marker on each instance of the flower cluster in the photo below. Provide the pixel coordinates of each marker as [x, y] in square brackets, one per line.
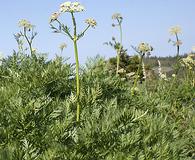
[143, 70]
[62, 46]
[189, 61]
[144, 48]
[91, 22]
[175, 30]
[121, 71]
[71, 7]
[54, 16]
[68, 6]
[117, 16]
[26, 24]
[161, 75]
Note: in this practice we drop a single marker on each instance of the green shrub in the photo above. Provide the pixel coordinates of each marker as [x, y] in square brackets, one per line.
[38, 121]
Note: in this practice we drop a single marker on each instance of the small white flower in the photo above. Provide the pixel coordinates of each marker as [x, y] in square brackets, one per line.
[91, 22]
[173, 75]
[75, 4]
[62, 46]
[80, 8]
[123, 79]
[130, 74]
[65, 4]
[122, 70]
[34, 50]
[163, 76]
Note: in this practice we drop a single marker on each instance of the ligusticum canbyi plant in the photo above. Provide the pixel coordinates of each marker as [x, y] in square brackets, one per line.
[59, 27]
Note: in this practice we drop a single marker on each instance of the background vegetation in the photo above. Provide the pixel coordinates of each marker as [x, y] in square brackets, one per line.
[38, 120]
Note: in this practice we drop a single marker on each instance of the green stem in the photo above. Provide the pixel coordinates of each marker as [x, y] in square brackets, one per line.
[137, 75]
[65, 32]
[177, 56]
[145, 81]
[28, 41]
[85, 29]
[77, 67]
[120, 47]
[80, 35]
[177, 40]
[77, 79]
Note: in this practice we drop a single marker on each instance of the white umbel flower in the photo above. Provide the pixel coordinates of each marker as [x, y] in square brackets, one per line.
[117, 16]
[71, 7]
[175, 30]
[54, 17]
[91, 22]
[144, 48]
[189, 61]
[62, 46]
[24, 23]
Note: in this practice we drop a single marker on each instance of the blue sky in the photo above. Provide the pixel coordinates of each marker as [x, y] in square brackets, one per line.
[144, 20]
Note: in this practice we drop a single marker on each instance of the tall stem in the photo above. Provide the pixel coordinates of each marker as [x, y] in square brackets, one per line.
[137, 75]
[28, 41]
[77, 79]
[120, 47]
[177, 56]
[77, 67]
[177, 40]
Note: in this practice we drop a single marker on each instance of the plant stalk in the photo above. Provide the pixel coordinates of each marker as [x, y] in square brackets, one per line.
[177, 55]
[77, 68]
[119, 51]
[137, 75]
[29, 42]
[177, 40]
[77, 79]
